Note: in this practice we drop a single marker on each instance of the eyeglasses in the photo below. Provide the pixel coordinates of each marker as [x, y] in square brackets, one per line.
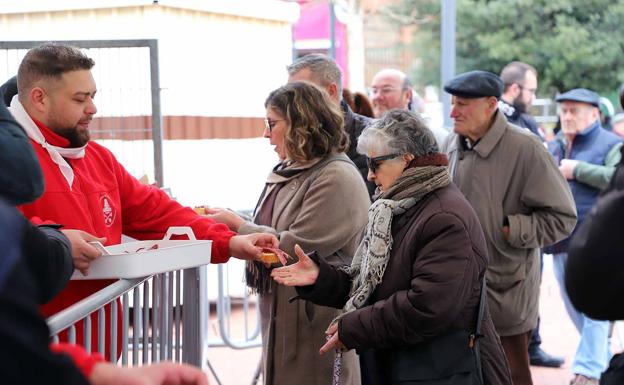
[531, 90]
[269, 124]
[374, 163]
[383, 90]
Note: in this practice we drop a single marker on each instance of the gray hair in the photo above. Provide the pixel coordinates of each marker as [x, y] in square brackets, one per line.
[323, 67]
[398, 131]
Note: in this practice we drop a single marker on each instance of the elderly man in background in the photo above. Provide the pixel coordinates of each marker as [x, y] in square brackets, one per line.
[522, 201]
[391, 89]
[323, 71]
[587, 156]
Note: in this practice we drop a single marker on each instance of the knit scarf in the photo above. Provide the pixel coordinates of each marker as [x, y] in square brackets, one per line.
[372, 255]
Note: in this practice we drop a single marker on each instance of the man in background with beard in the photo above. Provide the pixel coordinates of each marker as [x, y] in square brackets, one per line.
[520, 85]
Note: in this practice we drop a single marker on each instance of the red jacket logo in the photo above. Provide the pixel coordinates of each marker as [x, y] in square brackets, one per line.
[108, 210]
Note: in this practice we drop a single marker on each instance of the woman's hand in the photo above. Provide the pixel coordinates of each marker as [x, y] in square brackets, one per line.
[226, 217]
[333, 340]
[303, 273]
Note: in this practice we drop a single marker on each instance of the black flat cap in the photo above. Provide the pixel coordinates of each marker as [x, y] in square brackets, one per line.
[582, 95]
[475, 84]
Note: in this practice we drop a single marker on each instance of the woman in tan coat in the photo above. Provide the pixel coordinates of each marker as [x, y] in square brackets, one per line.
[314, 197]
[412, 295]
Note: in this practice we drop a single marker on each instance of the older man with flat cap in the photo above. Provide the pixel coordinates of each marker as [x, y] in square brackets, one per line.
[587, 156]
[522, 201]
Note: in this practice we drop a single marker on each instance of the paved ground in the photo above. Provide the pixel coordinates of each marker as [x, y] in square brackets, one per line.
[236, 367]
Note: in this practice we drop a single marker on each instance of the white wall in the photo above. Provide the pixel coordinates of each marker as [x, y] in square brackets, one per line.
[213, 61]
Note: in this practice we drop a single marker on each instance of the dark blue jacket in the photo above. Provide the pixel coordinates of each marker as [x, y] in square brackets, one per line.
[24, 352]
[21, 179]
[46, 251]
[520, 119]
[591, 146]
[354, 125]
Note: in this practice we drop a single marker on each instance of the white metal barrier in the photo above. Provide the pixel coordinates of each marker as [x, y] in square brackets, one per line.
[165, 316]
[166, 330]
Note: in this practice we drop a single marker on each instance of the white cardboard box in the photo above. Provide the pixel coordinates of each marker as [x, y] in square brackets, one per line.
[137, 259]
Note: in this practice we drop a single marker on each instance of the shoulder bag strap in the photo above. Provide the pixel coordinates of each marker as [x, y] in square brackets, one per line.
[474, 338]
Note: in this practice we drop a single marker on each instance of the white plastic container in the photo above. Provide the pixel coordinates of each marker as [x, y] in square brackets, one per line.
[144, 258]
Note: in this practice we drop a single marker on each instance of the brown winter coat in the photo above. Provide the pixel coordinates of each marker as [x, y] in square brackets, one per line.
[323, 209]
[510, 174]
[430, 286]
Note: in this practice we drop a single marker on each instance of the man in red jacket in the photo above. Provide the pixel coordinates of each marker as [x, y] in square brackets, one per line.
[86, 188]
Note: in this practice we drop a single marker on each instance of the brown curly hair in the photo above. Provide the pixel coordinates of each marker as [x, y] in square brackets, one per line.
[316, 126]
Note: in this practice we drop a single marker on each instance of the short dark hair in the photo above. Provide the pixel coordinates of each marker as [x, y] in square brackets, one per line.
[50, 61]
[315, 124]
[515, 73]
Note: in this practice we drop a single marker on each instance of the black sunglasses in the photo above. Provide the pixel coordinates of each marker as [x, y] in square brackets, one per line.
[374, 163]
[269, 124]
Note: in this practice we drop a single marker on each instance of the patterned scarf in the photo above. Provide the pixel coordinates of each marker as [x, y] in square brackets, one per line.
[372, 255]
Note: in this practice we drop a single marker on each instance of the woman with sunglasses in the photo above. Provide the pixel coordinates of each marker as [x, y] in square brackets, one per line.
[314, 197]
[412, 295]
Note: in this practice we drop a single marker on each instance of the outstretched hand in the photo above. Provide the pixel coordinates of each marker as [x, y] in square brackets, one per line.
[303, 273]
[225, 216]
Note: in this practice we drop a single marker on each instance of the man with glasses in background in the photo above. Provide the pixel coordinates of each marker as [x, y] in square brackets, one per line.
[391, 89]
[520, 85]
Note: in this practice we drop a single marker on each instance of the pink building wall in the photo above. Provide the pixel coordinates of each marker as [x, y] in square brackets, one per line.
[313, 26]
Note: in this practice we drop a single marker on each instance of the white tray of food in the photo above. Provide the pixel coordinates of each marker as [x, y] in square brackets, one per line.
[144, 258]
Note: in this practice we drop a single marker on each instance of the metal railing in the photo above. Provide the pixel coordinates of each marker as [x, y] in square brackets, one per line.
[157, 327]
[163, 317]
[544, 111]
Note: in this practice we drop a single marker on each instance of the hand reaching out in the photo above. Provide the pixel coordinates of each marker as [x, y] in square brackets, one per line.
[225, 216]
[82, 252]
[303, 273]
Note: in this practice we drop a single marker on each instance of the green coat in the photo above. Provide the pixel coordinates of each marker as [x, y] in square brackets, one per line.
[510, 174]
[323, 209]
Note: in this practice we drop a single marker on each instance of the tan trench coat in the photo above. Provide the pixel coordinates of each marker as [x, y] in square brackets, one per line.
[324, 210]
[509, 173]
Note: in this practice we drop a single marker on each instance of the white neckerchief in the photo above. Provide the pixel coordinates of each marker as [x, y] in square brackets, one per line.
[56, 153]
